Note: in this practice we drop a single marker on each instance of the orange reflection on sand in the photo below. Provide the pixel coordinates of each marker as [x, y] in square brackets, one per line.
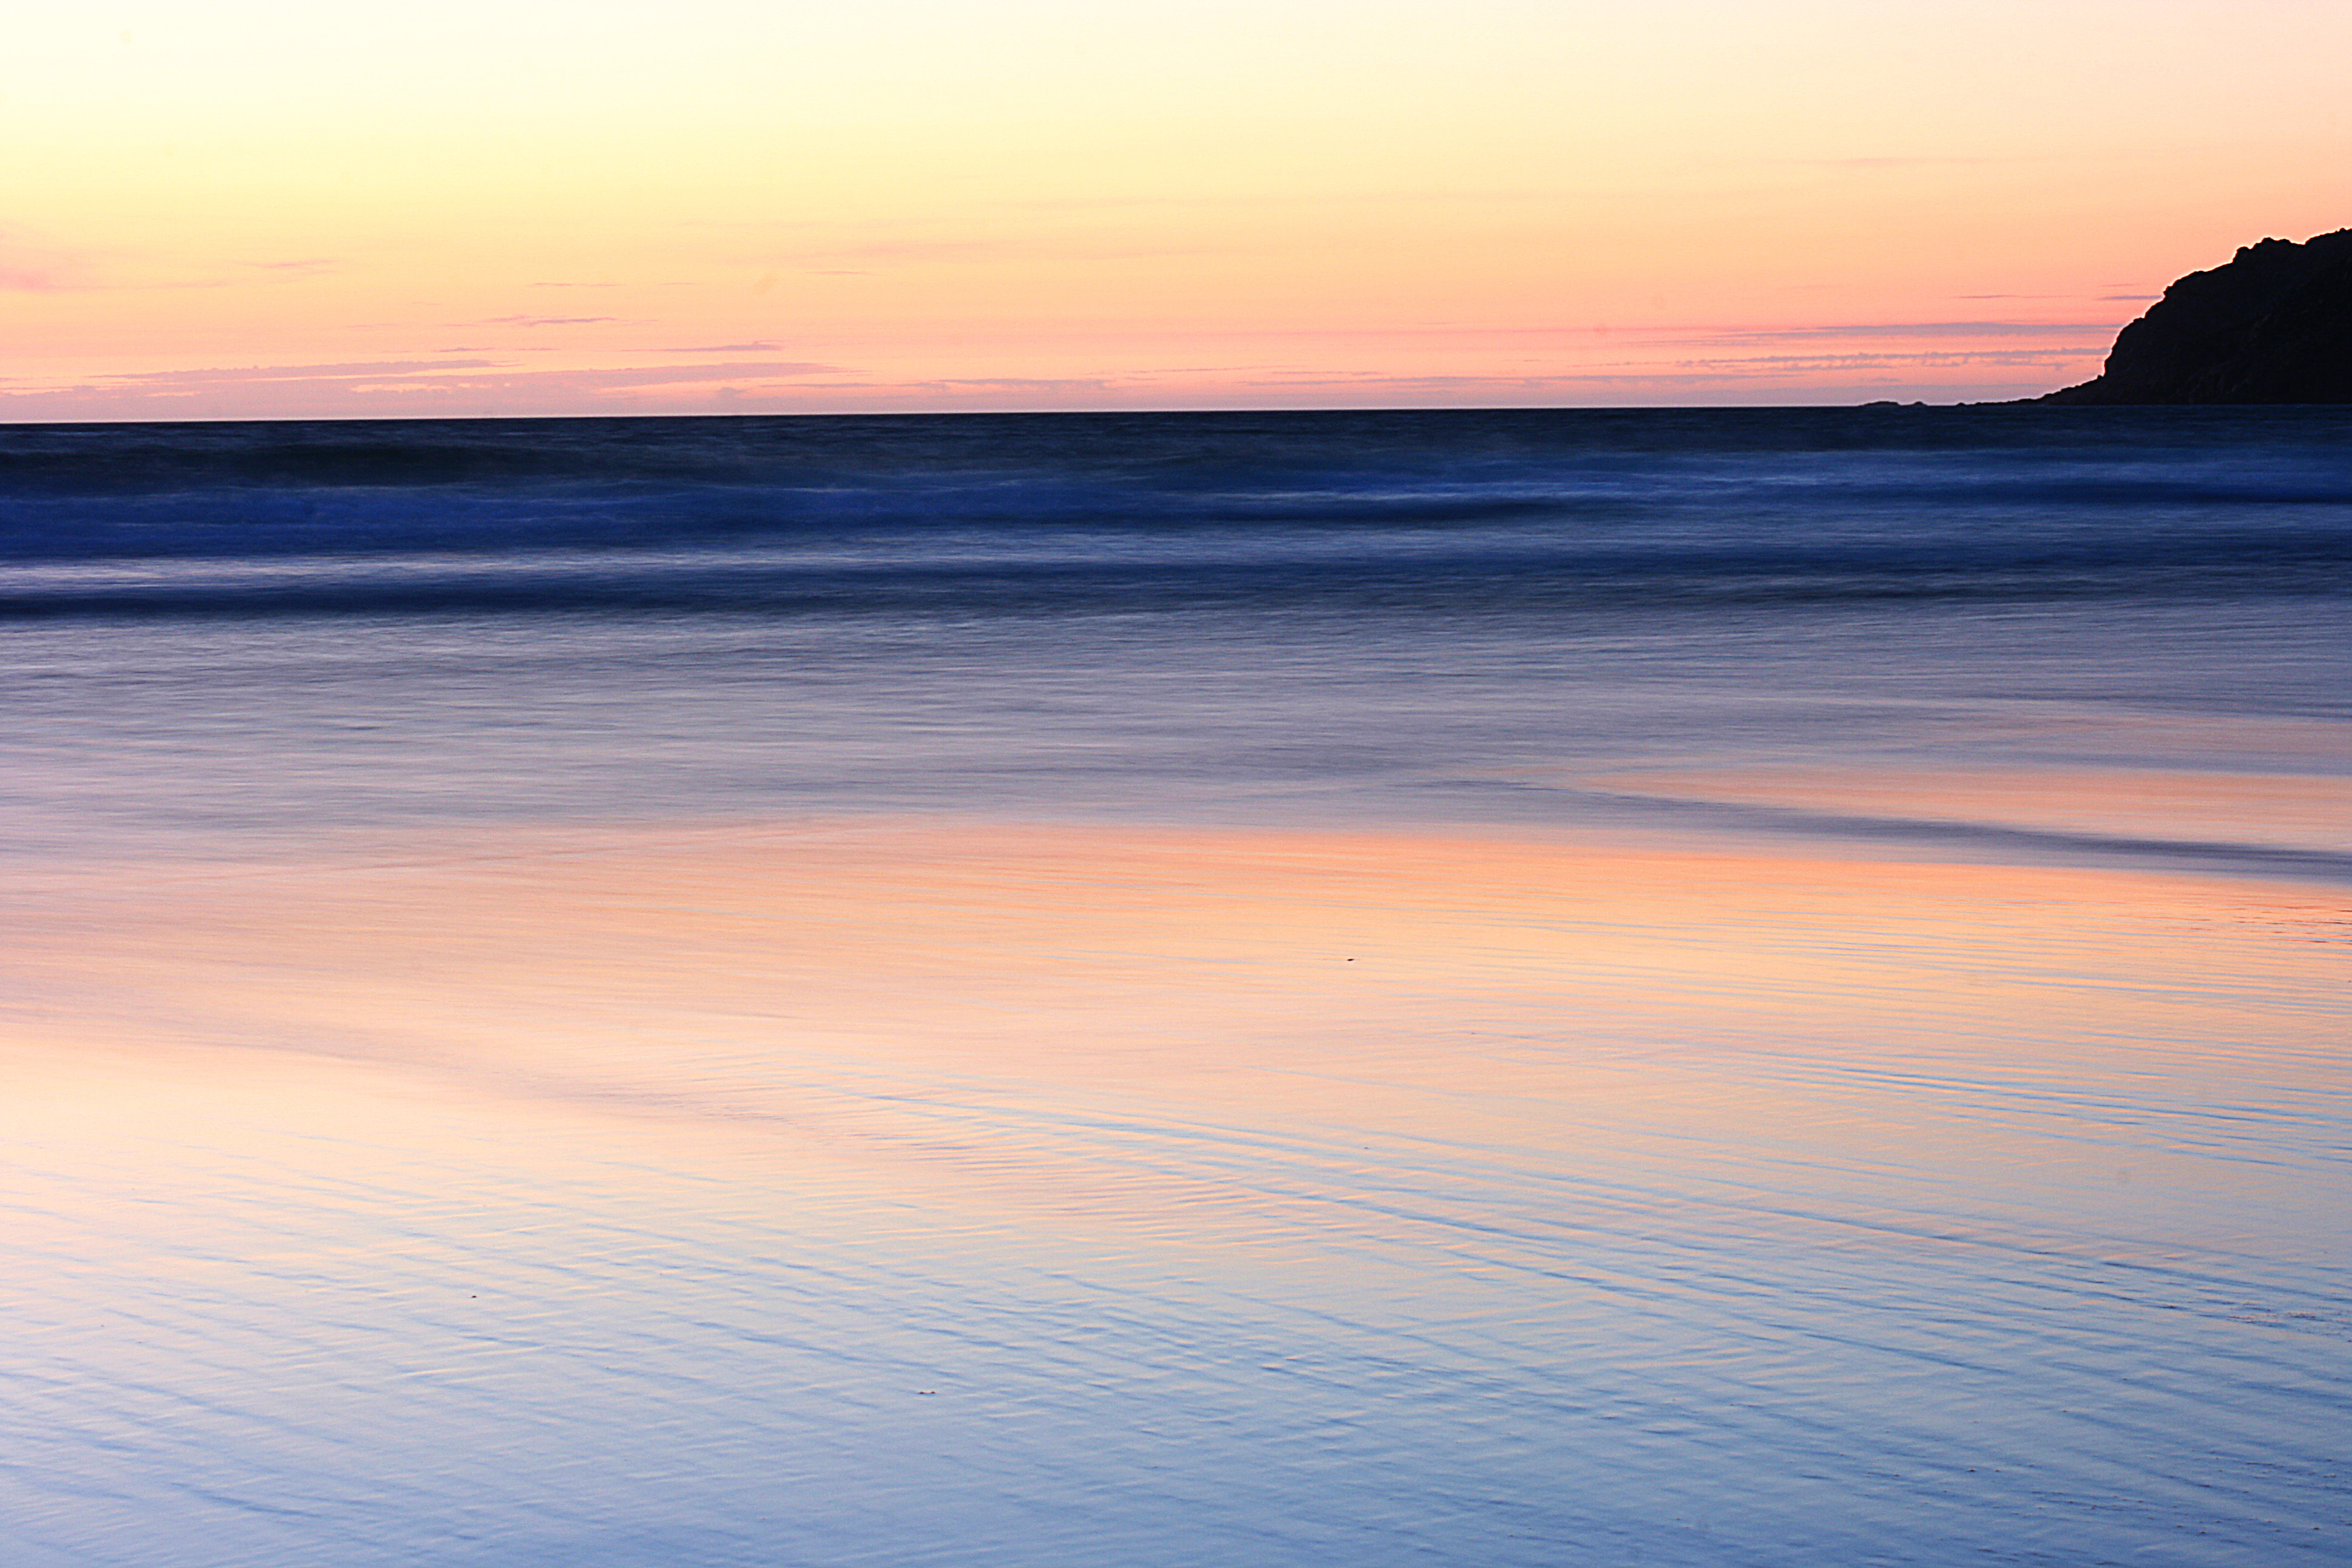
[944, 992]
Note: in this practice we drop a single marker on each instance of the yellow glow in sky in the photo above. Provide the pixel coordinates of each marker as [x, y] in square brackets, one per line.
[224, 208]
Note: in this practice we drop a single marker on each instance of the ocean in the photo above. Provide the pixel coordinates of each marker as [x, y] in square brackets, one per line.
[1679, 987]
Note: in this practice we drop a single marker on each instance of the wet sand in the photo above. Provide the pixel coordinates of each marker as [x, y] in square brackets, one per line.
[999, 1192]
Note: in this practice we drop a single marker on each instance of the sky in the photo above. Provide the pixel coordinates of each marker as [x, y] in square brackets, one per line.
[280, 208]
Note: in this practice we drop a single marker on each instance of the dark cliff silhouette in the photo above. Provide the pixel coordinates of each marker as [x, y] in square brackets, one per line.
[2272, 326]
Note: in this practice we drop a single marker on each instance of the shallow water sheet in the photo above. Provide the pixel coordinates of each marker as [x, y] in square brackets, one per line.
[946, 1191]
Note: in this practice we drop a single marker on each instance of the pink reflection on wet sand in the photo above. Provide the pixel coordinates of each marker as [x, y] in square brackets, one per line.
[902, 990]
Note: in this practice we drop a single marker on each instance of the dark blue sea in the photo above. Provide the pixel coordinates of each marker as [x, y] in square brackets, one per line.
[1682, 987]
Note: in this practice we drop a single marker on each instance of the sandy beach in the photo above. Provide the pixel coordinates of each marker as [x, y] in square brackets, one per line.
[855, 1161]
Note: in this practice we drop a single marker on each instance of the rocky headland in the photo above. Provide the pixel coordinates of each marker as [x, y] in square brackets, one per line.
[2273, 325]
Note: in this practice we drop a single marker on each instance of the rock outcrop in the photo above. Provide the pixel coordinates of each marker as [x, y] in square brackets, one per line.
[2272, 326]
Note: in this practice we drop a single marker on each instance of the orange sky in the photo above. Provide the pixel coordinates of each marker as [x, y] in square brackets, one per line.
[224, 208]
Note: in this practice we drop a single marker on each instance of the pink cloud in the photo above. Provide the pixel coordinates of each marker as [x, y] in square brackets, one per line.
[344, 371]
[395, 388]
[30, 266]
